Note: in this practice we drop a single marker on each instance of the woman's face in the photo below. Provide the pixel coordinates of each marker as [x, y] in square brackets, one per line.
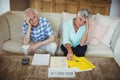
[80, 21]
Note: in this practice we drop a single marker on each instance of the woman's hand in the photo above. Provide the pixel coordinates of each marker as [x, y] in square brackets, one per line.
[70, 56]
[70, 52]
[84, 38]
[87, 23]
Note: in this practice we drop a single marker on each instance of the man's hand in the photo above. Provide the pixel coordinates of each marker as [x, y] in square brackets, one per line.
[33, 47]
[28, 21]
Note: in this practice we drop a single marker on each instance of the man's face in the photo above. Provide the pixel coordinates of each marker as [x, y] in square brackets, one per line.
[33, 19]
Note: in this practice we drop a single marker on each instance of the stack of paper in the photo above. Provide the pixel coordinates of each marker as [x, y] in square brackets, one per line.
[41, 59]
[61, 72]
[81, 63]
[58, 62]
[59, 68]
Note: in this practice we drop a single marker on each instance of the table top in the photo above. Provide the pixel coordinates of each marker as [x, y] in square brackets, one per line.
[12, 69]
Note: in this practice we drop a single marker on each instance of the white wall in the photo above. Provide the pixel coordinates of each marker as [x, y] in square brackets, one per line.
[115, 8]
[4, 6]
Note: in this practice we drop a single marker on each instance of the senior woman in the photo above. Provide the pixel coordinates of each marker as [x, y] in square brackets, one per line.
[75, 33]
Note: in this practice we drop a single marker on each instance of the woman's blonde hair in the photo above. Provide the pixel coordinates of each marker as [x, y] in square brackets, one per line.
[85, 13]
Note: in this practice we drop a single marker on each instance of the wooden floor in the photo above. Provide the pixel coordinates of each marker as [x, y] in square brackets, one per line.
[12, 69]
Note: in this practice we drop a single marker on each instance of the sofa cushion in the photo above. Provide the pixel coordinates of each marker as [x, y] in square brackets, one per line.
[99, 51]
[55, 20]
[65, 17]
[15, 22]
[93, 51]
[16, 47]
[96, 32]
[112, 23]
[13, 46]
[68, 16]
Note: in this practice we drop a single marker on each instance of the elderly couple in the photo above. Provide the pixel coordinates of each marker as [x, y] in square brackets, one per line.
[38, 33]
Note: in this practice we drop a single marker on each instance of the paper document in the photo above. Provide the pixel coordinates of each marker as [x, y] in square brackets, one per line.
[58, 62]
[41, 59]
[78, 70]
[61, 72]
[81, 63]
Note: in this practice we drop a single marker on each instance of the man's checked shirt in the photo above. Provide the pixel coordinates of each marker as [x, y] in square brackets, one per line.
[41, 32]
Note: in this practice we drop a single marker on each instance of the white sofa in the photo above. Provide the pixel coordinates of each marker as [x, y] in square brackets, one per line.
[11, 33]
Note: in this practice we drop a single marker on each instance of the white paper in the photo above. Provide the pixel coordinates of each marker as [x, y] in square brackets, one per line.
[25, 49]
[78, 70]
[58, 62]
[41, 59]
[61, 72]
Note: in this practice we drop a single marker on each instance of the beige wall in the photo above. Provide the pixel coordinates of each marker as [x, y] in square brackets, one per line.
[19, 5]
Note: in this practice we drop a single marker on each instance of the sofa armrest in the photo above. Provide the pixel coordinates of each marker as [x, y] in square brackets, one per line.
[4, 30]
[115, 37]
[1, 41]
[117, 51]
[4, 26]
[115, 44]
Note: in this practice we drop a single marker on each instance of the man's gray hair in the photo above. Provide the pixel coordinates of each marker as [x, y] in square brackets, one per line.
[29, 10]
[85, 13]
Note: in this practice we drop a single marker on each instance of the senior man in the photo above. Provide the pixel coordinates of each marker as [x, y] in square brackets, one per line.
[38, 33]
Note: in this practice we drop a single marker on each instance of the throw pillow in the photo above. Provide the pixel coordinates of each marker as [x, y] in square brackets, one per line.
[55, 20]
[65, 17]
[112, 23]
[96, 32]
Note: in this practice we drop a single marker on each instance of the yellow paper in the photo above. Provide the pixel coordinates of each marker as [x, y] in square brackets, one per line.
[80, 62]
